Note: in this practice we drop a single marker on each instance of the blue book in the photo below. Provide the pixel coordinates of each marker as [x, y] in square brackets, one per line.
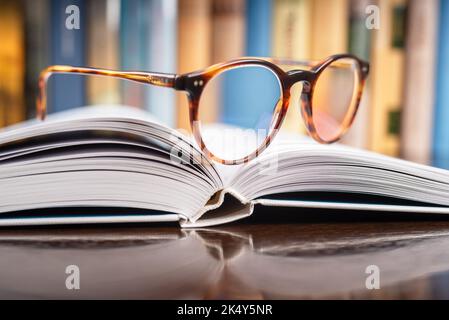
[441, 127]
[258, 27]
[240, 107]
[134, 47]
[161, 102]
[66, 91]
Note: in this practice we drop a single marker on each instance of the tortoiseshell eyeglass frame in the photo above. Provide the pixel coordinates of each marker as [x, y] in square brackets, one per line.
[194, 82]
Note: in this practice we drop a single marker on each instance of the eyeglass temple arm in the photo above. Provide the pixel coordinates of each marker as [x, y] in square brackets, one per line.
[157, 79]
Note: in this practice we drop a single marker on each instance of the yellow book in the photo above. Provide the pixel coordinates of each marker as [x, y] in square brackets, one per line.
[194, 48]
[291, 29]
[387, 77]
[2, 109]
[2, 90]
[103, 50]
[330, 29]
[12, 66]
[308, 29]
[292, 40]
[330, 26]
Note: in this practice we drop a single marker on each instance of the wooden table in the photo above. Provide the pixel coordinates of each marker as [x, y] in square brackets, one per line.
[288, 254]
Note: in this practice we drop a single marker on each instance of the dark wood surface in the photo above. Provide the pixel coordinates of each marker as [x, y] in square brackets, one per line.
[309, 256]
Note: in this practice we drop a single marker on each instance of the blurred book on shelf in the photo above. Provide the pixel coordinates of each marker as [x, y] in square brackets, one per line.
[330, 23]
[292, 39]
[163, 14]
[12, 62]
[194, 49]
[37, 48]
[103, 49]
[403, 111]
[387, 78]
[228, 42]
[359, 44]
[259, 23]
[148, 41]
[441, 127]
[258, 43]
[134, 47]
[420, 55]
[67, 47]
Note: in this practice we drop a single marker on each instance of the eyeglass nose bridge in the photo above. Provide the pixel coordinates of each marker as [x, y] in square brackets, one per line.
[305, 76]
[307, 79]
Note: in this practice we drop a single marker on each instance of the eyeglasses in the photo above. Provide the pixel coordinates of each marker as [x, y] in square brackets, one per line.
[255, 94]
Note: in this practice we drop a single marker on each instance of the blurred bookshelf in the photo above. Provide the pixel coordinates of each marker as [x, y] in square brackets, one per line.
[403, 112]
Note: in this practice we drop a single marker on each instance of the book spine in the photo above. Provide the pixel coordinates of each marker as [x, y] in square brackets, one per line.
[194, 50]
[387, 78]
[330, 25]
[258, 27]
[258, 43]
[134, 47]
[102, 49]
[441, 127]
[417, 115]
[228, 27]
[12, 62]
[359, 40]
[66, 48]
[359, 43]
[163, 50]
[37, 49]
[228, 42]
[330, 35]
[292, 29]
[212, 212]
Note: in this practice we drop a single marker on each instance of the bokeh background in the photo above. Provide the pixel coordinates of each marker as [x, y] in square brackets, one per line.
[405, 107]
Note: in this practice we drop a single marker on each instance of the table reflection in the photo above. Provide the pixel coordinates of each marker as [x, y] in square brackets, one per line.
[310, 260]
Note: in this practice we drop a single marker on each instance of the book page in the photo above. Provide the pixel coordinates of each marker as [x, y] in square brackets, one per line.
[300, 166]
[102, 156]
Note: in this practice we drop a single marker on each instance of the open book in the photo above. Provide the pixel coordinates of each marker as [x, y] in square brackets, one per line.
[116, 164]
